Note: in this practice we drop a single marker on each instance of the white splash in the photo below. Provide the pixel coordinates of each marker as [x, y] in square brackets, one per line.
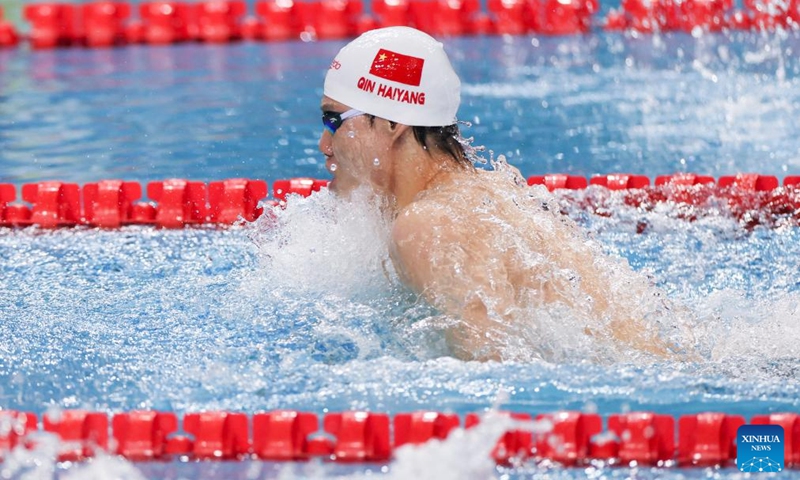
[35, 463]
[736, 327]
[333, 252]
[735, 286]
[325, 244]
[105, 467]
[38, 460]
[464, 454]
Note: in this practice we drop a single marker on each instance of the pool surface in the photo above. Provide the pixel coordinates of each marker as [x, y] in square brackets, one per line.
[300, 315]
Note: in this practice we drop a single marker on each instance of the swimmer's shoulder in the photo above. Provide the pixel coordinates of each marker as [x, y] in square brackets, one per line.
[423, 214]
[418, 233]
[435, 216]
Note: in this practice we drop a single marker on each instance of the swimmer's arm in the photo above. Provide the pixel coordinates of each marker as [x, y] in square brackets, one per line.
[457, 272]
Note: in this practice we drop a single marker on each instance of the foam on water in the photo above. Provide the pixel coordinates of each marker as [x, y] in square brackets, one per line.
[320, 244]
[105, 467]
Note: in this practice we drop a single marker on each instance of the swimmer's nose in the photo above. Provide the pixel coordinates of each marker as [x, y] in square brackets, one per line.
[325, 143]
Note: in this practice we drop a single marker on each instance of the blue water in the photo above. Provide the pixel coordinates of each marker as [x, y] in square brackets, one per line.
[240, 319]
[583, 104]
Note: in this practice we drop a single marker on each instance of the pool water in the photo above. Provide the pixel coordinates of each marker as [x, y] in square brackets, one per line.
[302, 316]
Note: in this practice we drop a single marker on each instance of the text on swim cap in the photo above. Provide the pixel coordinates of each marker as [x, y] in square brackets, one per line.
[394, 93]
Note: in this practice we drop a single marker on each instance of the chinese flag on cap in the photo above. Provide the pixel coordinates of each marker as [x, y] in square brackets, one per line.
[397, 67]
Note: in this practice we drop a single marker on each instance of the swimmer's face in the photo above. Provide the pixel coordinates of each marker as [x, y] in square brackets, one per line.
[356, 154]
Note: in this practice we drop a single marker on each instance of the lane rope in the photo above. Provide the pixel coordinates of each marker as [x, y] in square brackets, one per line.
[107, 23]
[750, 199]
[570, 438]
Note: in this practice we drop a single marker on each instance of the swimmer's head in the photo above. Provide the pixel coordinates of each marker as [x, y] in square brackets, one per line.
[399, 74]
[389, 111]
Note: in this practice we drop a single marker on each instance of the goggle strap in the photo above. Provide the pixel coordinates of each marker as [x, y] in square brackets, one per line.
[350, 113]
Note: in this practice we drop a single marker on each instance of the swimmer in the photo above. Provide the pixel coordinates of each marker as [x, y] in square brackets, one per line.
[475, 243]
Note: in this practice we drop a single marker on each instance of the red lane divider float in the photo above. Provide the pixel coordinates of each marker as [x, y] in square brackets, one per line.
[220, 21]
[616, 181]
[644, 437]
[142, 435]
[751, 199]
[103, 23]
[231, 199]
[569, 442]
[217, 435]
[174, 203]
[180, 202]
[284, 435]
[684, 179]
[360, 436]
[300, 186]
[16, 427]
[8, 33]
[708, 439]
[516, 445]
[706, 15]
[419, 427]
[568, 438]
[82, 433]
[55, 204]
[110, 203]
[165, 22]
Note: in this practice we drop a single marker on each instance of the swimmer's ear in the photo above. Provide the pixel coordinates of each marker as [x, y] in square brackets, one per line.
[398, 129]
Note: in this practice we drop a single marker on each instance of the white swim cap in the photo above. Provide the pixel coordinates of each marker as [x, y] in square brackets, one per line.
[399, 74]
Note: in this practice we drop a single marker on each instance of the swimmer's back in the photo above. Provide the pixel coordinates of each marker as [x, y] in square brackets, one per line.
[481, 244]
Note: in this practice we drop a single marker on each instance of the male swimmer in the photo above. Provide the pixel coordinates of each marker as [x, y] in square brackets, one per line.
[473, 242]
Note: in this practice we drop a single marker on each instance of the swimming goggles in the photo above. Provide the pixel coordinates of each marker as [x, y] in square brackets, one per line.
[334, 120]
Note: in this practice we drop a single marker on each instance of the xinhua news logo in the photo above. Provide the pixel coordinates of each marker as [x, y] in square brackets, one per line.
[759, 448]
